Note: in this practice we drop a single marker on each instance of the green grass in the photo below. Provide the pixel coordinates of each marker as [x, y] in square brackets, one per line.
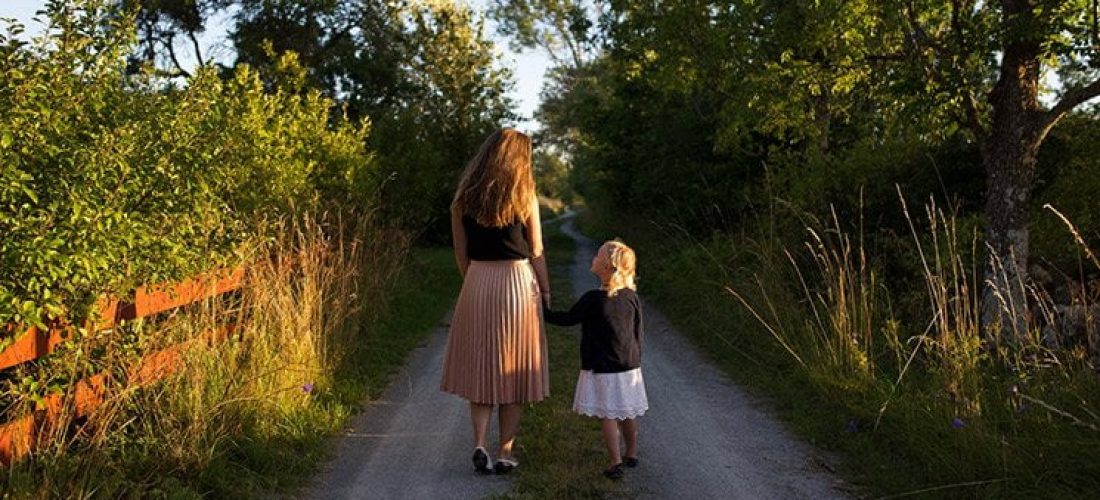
[250, 455]
[915, 449]
[563, 452]
[422, 294]
[414, 304]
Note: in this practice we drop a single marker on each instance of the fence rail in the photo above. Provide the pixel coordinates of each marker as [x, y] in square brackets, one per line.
[19, 437]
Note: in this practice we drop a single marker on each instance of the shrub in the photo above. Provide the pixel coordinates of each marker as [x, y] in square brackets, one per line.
[109, 180]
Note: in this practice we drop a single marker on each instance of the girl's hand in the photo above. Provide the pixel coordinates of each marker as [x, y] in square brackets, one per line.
[545, 300]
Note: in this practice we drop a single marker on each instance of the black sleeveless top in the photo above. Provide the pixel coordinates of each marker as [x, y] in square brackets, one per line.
[496, 243]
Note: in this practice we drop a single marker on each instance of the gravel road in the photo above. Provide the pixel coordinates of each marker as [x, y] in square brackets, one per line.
[702, 438]
[414, 442]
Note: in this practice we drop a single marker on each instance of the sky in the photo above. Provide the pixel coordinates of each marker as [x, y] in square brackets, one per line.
[528, 67]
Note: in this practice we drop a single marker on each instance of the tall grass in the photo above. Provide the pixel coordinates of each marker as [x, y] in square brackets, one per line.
[836, 334]
[246, 407]
[874, 347]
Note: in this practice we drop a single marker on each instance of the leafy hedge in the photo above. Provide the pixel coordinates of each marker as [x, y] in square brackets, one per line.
[109, 179]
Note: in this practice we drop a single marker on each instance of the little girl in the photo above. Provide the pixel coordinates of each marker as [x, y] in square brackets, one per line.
[610, 385]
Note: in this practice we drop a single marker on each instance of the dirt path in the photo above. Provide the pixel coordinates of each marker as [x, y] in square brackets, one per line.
[703, 437]
[414, 442]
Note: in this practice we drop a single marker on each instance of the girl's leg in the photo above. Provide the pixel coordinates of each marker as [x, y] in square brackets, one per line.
[629, 428]
[611, 439]
[480, 415]
[509, 424]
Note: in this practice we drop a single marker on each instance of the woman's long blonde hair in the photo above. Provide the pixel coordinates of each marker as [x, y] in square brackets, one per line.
[497, 186]
[623, 262]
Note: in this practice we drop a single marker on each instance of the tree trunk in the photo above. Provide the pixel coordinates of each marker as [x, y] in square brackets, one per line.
[1009, 155]
[1010, 160]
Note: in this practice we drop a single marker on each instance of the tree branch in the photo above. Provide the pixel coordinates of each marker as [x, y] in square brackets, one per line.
[973, 118]
[1071, 100]
[168, 43]
[195, 44]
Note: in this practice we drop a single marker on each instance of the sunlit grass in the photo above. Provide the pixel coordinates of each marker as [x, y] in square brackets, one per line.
[324, 325]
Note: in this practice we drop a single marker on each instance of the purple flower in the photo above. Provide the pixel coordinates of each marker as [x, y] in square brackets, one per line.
[958, 423]
[852, 427]
[307, 387]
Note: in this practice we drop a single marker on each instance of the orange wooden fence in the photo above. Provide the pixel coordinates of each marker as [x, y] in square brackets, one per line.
[18, 437]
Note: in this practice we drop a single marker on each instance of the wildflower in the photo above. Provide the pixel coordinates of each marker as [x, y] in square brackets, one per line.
[307, 387]
[958, 423]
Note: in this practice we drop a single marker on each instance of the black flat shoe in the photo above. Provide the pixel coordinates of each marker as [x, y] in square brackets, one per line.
[614, 472]
[505, 465]
[481, 461]
[631, 462]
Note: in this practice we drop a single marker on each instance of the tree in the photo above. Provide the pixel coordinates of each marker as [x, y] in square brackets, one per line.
[563, 29]
[1004, 114]
[808, 80]
[552, 175]
[160, 23]
[354, 50]
[458, 95]
[935, 66]
[423, 72]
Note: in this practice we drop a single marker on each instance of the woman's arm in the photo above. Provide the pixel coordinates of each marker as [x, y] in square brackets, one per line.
[538, 257]
[458, 235]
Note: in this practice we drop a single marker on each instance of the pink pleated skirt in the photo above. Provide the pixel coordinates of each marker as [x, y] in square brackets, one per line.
[496, 350]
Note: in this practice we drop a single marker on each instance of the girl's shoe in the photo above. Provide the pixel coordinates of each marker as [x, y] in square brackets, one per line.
[505, 465]
[481, 461]
[614, 472]
[631, 462]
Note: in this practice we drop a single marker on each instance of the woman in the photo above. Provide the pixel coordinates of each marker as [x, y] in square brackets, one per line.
[496, 351]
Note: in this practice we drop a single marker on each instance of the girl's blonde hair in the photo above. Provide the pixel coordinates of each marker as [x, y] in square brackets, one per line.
[497, 186]
[622, 260]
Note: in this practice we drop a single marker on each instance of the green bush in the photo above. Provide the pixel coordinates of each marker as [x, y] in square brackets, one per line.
[109, 180]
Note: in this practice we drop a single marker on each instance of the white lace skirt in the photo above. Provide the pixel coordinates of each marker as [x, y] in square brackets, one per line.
[611, 395]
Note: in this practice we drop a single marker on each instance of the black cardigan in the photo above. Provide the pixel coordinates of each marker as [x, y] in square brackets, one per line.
[611, 329]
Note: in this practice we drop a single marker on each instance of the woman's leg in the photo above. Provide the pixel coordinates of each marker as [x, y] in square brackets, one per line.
[509, 424]
[611, 439]
[629, 428]
[480, 415]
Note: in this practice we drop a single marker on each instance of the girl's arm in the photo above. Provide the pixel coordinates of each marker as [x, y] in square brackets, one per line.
[458, 235]
[538, 257]
[571, 317]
